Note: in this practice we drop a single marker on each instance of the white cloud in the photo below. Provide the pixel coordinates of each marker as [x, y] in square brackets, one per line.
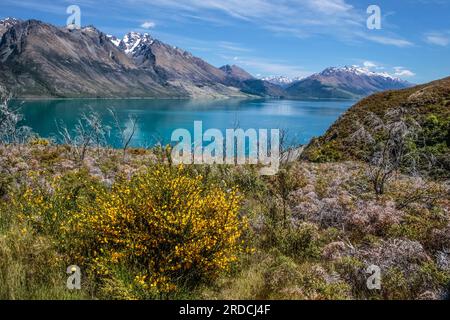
[438, 38]
[230, 46]
[402, 72]
[148, 25]
[399, 72]
[370, 64]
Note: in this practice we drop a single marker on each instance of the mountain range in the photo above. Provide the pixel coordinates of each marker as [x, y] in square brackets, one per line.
[41, 60]
[282, 81]
[344, 83]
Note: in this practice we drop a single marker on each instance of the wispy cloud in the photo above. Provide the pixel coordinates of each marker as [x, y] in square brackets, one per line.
[299, 18]
[37, 6]
[397, 42]
[438, 38]
[337, 19]
[231, 46]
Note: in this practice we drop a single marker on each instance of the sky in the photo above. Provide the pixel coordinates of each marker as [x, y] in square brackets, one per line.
[293, 38]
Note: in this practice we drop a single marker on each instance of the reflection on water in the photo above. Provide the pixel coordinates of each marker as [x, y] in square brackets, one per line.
[301, 120]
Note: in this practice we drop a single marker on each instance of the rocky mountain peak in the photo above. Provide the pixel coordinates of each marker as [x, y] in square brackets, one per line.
[134, 41]
[236, 72]
[7, 23]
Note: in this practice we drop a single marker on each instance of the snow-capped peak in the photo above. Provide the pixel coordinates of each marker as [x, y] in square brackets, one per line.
[134, 40]
[8, 22]
[281, 80]
[359, 71]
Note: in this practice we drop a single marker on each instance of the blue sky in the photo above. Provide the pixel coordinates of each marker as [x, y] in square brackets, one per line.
[276, 37]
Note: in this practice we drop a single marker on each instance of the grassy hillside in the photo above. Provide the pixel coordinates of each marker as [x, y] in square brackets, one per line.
[139, 227]
[426, 107]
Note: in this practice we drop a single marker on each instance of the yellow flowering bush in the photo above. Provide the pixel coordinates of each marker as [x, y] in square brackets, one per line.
[167, 227]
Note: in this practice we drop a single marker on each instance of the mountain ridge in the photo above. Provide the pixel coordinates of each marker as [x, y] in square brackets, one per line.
[38, 59]
[344, 83]
[41, 60]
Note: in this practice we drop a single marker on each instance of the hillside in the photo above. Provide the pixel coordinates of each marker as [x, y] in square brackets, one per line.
[142, 228]
[428, 106]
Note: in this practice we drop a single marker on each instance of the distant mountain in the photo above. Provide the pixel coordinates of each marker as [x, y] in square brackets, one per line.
[281, 81]
[344, 83]
[257, 87]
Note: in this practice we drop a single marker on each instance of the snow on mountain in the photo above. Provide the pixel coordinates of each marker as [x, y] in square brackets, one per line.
[7, 23]
[132, 42]
[281, 80]
[358, 71]
[345, 83]
[116, 41]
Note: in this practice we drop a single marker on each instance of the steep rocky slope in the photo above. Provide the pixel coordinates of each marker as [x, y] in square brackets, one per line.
[38, 59]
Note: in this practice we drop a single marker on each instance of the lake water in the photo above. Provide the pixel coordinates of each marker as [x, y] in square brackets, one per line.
[301, 120]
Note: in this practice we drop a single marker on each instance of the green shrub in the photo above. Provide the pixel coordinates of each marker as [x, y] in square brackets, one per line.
[323, 152]
[301, 242]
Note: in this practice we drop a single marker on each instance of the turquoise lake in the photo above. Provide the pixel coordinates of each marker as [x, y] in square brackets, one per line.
[301, 120]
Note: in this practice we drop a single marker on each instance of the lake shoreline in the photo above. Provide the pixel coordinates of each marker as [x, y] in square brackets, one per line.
[179, 99]
[158, 119]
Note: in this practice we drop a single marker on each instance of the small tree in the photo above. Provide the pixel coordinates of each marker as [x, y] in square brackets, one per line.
[88, 132]
[127, 132]
[388, 143]
[11, 132]
[290, 150]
